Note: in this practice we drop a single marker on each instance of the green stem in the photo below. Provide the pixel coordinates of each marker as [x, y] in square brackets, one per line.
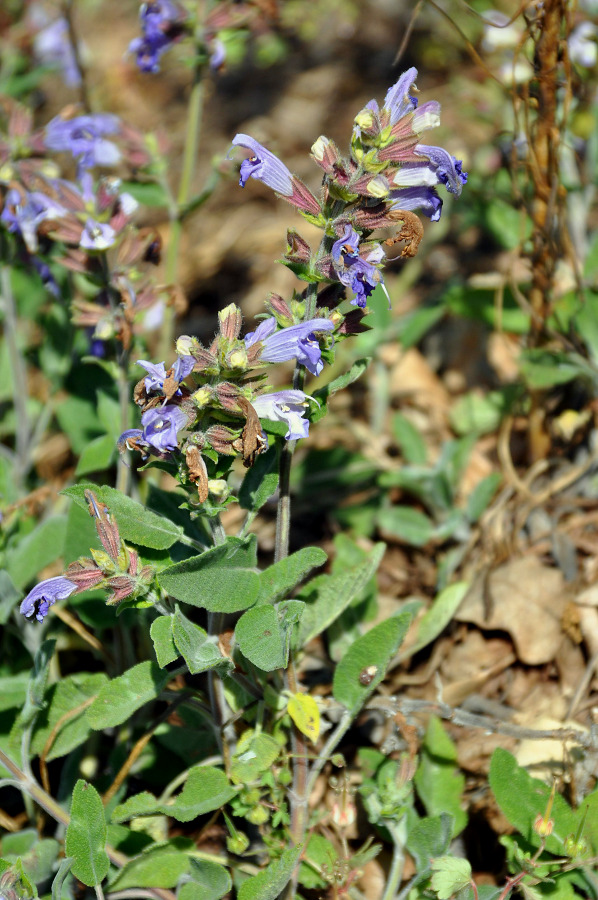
[19, 378]
[47, 803]
[194, 116]
[398, 833]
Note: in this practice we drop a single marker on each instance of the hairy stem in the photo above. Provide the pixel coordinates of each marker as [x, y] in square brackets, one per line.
[398, 832]
[194, 116]
[19, 378]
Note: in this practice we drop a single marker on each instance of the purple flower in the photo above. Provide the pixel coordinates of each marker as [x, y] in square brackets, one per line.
[448, 170]
[398, 102]
[183, 367]
[423, 198]
[97, 235]
[356, 272]
[157, 372]
[161, 25]
[52, 46]
[24, 214]
[156, 375]
[83, 137]
[44, 595]
[295, 342]
[217, 54]
[264, 166]
[160, 427]
[287, 407]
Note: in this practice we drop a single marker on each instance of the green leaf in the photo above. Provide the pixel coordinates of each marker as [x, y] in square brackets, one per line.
[65, 704]
[97, 455]
[148, 193]
[9, 597]
[219, 580]
[271, 882]
[135, 522]
[255, 754]
[13, 690]
[143, 804]
[36, 551]
[279, 579]
[86, 835]
[326, 596]
[81, 535]
[210, 881]
[418, 323]
[429, 838]
[451, 875]
[409, 439]
[480, 304]
[338, 384]
[62, 874]
[260, 482]
[264, 634]
[205, 790]
[439, 784]
[322, 854]
[522, 798]
[121, 697]
[407, 524]
[164, 646]
[479, 499]
[545, 368]
[437, 617]
[159, 866]
[199, 651]
[374, 649]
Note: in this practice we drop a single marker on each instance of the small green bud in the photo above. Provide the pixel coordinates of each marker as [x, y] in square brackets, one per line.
[237, 844]
[259, 815]
[202, 397]
[285, 776]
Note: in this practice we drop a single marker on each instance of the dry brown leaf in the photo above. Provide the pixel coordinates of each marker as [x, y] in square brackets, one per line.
[527, 600]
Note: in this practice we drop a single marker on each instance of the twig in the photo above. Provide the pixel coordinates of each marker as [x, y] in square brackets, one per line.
[493, 726]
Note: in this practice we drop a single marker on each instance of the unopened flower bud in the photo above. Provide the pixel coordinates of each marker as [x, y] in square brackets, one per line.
[318, 149]
[259, 815]
[543, 826]
[237, 844]
[185, 345]
[230, 321]
[202, 396]
[236, 359]
[576, 846]
[218, 488]
[364, 119]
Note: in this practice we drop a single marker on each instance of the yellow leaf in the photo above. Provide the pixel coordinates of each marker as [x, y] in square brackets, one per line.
[304, 712]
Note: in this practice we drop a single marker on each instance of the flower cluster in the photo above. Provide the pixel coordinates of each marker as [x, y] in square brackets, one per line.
[115, 568]
[209, 403]
[85, 224]
[388, 176]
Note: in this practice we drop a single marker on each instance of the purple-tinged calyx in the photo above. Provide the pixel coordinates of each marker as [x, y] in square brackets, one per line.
[266, 167]
[39, 600]
[285, 406]
[295, 342]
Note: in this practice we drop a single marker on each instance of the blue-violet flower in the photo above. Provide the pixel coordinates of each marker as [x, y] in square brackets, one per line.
[359, 274]
[284, 406]
[264, 166]
[161, 25]
[160, 427]
[44, 595]
[83, 137]
[295, 342]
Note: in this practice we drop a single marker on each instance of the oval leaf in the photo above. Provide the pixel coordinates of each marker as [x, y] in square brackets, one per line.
[86, 835]
[362, 669]
[121, 697]
[304, 712]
